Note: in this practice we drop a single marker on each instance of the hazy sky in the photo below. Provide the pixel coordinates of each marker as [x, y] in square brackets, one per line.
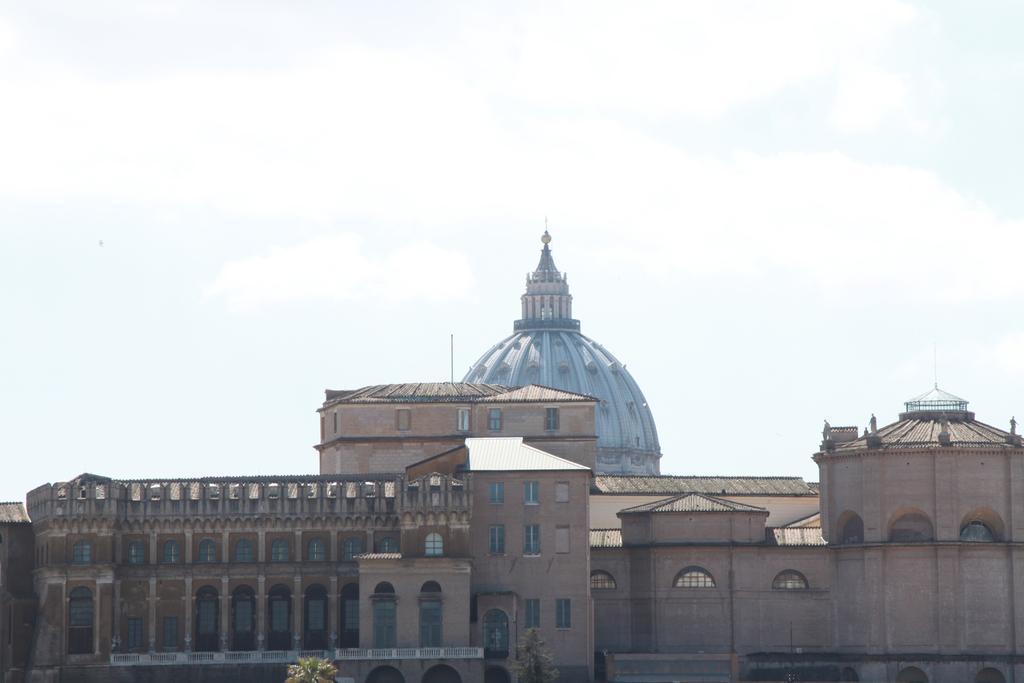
[769, 211]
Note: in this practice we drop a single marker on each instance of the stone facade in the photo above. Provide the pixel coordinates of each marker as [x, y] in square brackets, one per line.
[429, 568]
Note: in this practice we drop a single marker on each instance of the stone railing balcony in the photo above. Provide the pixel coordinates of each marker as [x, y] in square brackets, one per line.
[287, 657]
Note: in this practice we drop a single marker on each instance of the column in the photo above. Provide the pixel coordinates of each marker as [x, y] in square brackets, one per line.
[261, 546]
[154, 557]
[152, 614]
[261, 607]
[225, 547]
[297, 600]
[332, 611]
[190, 608]
[225, 611]
[300, 552]
[188, 546]
[117, 610]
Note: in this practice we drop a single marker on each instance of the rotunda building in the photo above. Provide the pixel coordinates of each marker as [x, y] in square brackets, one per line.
[547, 348]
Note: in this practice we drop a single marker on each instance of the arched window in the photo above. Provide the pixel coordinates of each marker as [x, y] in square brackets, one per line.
[434, 545]
[977, 532]
[430, 615]
[279, 609]
[315, 551]
[243, 619]
[353, 546]
[600, 580]
[790, 580]
[81, 553]
[207, 550]
[387, 544]
[172, 552]
[315, 615]
[911, 527]
[851, 529]
[80, 621]
[243, 551]
[207, 617]
[350, 615]
[694, 577]
[136, 552]
[385, 621]
[495, 634]
[990, 675]
[911, 675]
[279, 550]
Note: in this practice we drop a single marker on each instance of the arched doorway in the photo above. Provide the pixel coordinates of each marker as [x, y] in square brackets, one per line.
[989, 675]
[385, 674]
[207, 616]
[350, 615]
[442, 673]
[243, 619]
[315, 631]
[912, 675]
[849, 674]
[495, 674]
[279, 621]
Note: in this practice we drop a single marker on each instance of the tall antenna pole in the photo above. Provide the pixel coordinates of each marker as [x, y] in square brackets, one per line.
[451, 349]
[935, 364]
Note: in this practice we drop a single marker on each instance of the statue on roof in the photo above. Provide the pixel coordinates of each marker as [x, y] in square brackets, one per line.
[1013, 426]
[873, 423]
[826, 432]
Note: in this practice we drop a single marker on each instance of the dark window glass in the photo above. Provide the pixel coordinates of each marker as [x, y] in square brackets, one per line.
[207, 551]
[243, 551]
[494, 419]
[81, 552]
[434, 546]
[80, 622]
[563, 613]
[170, 639]
[172, 552]
[495, 634]
[387, 544]
[279, 550]
[532, 613]
[551, 419]
[430, 623]
[531, 492]
[694, 577]
[497, 539]
[353, 547]
[601, 581]
[384, 623]
[531, 539]
[350, 615]
[136, 552]
[497, 492]
[317, 551]
[134, 633]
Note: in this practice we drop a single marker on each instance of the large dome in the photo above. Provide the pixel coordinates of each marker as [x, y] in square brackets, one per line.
[547, 348]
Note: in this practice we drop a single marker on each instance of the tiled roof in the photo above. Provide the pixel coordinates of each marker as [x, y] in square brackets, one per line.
[693, 502]
[13, 513]
[813, 519]
[606, 538]
[536, 392]
[499, 454]
[716, 486]
[379, 556]
[448, 392]
[807, 535]
[923, 432]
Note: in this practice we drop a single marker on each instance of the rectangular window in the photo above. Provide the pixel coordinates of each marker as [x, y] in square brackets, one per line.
[497, 492]
[243, 616]
[170, 639]
[562, 492]
[494, 419]
[551, 419]
[531, 492]
[532, 616]
[403, 417]
[134, 633]
[430, 623]
[384, 624]
[531, 539]
[561, 539]
[462, 421]
[497, 539]
[563, 613]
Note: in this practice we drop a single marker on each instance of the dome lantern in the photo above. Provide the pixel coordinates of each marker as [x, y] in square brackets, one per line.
[547, 303]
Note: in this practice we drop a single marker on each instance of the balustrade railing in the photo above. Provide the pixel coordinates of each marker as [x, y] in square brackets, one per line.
[286, 656]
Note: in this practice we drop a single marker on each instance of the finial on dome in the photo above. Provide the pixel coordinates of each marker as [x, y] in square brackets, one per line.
[546, 237]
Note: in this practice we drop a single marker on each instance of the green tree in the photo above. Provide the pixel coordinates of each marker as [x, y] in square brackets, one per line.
[534, 661]
[311, 670]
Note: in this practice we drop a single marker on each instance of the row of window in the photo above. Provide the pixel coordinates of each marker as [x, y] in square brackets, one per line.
[81, 617]
[531, 539]
[244, 551]
[914, 527]
[531, 492]
[403, 420]
[698, 577]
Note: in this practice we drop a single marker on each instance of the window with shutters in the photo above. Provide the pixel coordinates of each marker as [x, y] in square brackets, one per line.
[561, 539]
[563, 613]
[562, 492]
[496, 545]
[532, 615]
[531, 539]
[403, 419]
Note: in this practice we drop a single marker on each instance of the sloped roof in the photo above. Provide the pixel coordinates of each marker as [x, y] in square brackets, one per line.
[448, 392]
[794, 536]
[606, 538]
[923, 432]
[532, 393]
[379, 556]
[693, 502]
[666, 485]
[499, 454]
[13, 513]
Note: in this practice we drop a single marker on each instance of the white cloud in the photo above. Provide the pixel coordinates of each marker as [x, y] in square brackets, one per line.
[1008, 353]
[337, 267]
[865, 97]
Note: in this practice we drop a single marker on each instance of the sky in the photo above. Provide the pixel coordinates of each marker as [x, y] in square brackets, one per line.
[773, 213]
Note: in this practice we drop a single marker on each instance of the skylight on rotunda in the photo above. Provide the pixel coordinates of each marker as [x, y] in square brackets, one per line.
[936, 401]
